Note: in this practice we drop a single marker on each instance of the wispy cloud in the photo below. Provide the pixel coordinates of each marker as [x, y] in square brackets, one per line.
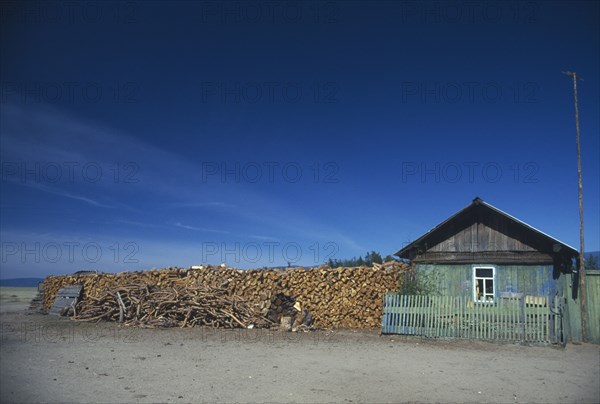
[213, 204]
[65, 194]
[184, 226]
[53, 135]
[35, 134]
[258, 237]
[139, 224]
[84, 199]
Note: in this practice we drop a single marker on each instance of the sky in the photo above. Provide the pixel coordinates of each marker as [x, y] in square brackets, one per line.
[146, 134]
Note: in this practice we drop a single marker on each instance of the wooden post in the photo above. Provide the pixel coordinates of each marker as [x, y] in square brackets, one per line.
[581, 262]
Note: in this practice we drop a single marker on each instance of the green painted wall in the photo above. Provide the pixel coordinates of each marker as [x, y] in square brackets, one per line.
[457, 279]
[572, 313]
[592, 298]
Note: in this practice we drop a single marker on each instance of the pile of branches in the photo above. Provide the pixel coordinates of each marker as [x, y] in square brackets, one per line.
[177, 306]
[335, 297]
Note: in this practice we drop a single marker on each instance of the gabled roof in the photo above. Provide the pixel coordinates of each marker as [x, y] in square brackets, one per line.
[469, 214]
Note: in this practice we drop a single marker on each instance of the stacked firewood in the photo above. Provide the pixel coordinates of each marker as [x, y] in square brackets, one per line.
[153, 306]
[95, 284]
[334, 297]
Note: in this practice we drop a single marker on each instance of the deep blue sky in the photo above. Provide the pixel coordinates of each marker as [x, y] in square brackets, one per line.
[138, 135]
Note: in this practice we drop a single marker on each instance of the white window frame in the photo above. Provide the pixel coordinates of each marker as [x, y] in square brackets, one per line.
[493, 278]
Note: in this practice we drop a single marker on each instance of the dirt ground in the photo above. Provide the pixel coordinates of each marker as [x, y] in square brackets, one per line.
[14, 299]
[47, 359]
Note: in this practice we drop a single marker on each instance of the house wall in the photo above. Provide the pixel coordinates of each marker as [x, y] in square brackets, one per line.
[457, 279]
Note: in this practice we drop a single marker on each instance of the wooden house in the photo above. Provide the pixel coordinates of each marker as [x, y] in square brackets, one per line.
[487, 254]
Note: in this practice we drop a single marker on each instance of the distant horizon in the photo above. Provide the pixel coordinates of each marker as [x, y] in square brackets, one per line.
[587, 254]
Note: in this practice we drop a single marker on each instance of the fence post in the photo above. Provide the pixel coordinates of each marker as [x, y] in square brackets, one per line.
[552, 332]
[522, 318]
[387, 313]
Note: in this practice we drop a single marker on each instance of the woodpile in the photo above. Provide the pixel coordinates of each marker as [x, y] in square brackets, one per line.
[327, 297]
[287, 312]
[151, 306]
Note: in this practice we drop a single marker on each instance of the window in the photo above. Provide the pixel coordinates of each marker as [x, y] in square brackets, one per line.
[484, 288]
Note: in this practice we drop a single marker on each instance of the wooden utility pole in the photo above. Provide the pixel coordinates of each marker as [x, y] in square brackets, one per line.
[581, 244]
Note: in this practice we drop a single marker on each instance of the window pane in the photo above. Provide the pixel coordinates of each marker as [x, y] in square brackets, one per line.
[479, 288]
[489, 287]
[484, 272]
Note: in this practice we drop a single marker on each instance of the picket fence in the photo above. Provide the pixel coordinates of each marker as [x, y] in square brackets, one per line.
[532, 319]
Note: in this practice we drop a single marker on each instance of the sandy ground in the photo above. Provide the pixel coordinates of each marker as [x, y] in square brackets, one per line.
[45, 359]
[15, 299]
